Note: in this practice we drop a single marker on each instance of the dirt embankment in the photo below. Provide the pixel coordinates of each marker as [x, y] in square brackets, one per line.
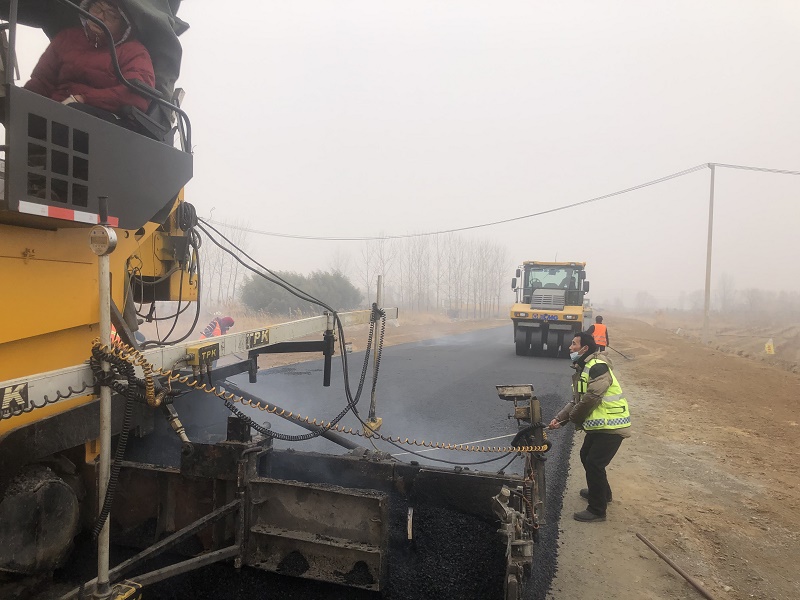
[710, 476]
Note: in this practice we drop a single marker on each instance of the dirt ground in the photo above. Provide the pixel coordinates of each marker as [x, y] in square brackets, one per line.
[709, 476]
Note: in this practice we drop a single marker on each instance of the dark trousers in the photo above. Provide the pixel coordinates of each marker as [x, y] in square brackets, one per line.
[103, 114]
[597, 451]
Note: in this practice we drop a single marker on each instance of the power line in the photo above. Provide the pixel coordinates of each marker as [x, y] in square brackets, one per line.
[503, 221]
[745, 168]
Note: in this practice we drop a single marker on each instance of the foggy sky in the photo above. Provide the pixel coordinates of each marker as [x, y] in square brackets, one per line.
[359, 117]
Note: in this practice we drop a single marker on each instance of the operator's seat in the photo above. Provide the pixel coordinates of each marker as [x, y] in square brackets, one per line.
[551, 286]
[158, 122]
[144, 123]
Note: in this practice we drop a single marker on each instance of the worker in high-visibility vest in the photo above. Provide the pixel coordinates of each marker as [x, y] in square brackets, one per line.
[598, 407]
[218, 326]
[600, 333]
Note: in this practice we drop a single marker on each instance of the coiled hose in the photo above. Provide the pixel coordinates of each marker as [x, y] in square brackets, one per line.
[127, 370]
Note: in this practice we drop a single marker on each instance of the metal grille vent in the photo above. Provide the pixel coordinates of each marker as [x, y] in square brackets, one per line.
[547, 300]
[58, 162]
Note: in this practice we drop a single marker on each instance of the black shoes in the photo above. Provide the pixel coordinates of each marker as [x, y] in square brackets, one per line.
[585, 494]
[588, 517]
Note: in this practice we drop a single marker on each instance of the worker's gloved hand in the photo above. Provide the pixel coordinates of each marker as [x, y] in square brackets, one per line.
[554, 424]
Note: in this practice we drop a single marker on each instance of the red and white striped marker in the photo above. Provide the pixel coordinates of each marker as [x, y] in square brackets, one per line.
[67, 214]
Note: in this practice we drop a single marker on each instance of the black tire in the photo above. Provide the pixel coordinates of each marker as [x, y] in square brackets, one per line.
[552, 343]
[522, 341]
[536, 340]
[46, 511]
[565, 340]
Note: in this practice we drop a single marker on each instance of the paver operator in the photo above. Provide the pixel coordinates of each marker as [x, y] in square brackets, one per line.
[599, 407]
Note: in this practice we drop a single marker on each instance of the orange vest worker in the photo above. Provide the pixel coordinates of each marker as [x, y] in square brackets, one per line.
[218, 326]
[599, 334]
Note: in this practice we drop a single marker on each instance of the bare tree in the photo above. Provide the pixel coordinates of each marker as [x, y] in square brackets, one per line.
[437, 266]
[753, 299]
[385, 254]
[220, 272]
[726, 293]
[696, 300]
[682, 300]
[500, 267]
[645, 301]
[418, 264]
[464, 275]
[366, 273]
[456, 263]
[339, 261]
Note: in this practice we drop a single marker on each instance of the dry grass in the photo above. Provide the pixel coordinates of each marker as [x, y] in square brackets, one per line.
[737, 335]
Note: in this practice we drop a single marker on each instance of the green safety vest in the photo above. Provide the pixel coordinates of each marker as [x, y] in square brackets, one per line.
[612, 412]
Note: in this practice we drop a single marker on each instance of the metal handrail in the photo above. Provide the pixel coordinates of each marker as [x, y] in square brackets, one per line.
[12, 40]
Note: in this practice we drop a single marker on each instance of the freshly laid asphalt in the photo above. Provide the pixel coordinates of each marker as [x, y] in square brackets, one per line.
[434, 390]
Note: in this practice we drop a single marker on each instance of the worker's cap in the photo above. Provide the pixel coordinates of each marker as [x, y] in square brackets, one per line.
[226, 321]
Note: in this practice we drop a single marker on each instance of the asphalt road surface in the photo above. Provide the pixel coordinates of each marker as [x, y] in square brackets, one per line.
[437, 390]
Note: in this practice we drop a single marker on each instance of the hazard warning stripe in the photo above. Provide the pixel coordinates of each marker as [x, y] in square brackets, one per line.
[67, 214]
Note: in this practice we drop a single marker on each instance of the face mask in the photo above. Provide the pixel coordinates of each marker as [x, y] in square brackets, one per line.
[574, 356]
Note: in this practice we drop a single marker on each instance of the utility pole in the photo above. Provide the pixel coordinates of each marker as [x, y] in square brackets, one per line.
[706, 338]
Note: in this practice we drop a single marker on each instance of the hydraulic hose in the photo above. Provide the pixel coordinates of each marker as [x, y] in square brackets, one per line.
[127, 370]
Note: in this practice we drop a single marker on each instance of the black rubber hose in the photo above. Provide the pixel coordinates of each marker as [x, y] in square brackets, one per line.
[129, 372]
[377, 359]
[308, 436]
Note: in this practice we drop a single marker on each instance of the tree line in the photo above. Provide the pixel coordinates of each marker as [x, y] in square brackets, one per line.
[461, 276]
[333, 289]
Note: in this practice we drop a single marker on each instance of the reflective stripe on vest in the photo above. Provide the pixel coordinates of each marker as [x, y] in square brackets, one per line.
[599, 334]
[211, 332]
[612, 412]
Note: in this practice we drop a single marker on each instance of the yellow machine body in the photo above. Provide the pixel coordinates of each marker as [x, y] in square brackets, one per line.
[51, 304]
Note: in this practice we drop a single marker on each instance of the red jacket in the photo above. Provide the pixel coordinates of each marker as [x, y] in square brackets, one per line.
[72, 66]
